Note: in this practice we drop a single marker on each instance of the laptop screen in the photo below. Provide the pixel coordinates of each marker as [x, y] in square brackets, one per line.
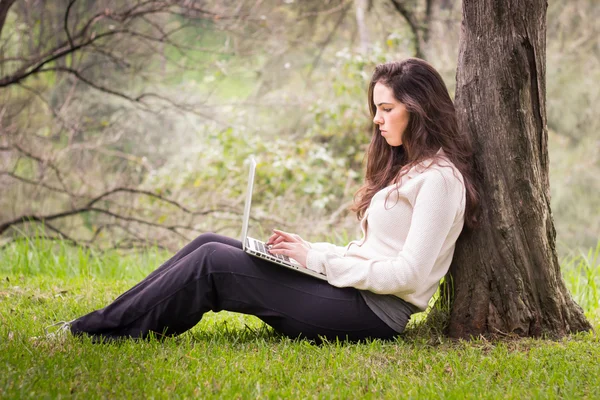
[252, 168]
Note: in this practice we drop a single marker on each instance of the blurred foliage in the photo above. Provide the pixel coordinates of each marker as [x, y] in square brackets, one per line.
[286, 83]
[573, 106]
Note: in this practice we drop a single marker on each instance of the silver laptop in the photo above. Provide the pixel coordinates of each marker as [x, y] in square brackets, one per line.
[260, 249]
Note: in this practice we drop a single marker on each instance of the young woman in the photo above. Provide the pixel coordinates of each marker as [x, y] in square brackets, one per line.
[418, 194]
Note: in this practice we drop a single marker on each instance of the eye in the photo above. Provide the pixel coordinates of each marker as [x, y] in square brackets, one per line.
[387, 109]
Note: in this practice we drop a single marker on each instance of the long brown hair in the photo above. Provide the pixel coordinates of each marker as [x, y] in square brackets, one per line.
[432, 124]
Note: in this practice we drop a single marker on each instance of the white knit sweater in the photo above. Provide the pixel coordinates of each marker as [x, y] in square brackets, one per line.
[409, 243]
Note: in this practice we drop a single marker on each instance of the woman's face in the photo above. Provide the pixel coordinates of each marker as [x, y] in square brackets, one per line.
[391, 115]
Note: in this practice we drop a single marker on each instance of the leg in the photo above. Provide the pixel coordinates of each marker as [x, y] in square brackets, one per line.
[187, 249]
[220, 276]
[193, 245]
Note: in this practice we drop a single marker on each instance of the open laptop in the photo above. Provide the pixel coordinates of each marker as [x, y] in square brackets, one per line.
[260, 249]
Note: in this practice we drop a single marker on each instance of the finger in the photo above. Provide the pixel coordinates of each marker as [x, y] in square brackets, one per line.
[275, 238]
[272, 238]
[278, 240]
[283, 233]
[285, 252]
[283, 245]
[288, 236]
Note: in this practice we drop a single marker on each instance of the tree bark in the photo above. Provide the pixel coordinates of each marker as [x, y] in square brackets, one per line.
[506, 275]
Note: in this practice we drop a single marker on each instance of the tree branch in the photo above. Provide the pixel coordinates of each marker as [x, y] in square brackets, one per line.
[45, 162]
[78, 75]
[34, 183]
[64, 235]
[80, 46]
[144, 192]
[138, 11]
[412, 23]
[5, 5]
[328, 39]
[66, 22]
[81, 210]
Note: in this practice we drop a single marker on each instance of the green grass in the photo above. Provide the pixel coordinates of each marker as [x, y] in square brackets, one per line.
[229, 355]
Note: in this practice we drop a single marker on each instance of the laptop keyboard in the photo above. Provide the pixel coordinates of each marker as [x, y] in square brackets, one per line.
[263, 249]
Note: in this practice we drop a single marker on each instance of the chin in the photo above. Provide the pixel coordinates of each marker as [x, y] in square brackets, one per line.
[393, 143]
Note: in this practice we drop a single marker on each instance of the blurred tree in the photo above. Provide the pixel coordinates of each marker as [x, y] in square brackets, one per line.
[418, 15]
[506, 278]
[361, 7]
[4, 7]
[77, 89]
[168, 97]
[92, 98]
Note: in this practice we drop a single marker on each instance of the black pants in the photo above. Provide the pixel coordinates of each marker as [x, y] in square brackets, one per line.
[213, 273]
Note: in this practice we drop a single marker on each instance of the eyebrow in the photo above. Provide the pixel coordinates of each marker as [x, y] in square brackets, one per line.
[391, 104]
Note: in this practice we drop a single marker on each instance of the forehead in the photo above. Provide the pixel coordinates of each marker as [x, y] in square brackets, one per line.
[383, 94]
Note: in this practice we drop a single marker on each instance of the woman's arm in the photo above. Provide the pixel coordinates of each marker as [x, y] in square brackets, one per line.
[328, 248]
[436, 206]
[294, 246]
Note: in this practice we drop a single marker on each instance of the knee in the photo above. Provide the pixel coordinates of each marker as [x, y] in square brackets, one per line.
[205, 238]
[212, 256]
[210, 247]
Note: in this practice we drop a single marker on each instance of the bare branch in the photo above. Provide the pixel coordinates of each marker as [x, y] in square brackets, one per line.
[137, 239]
[428, 17]
[76, 211]
[64, 235]
[137, 191]
[47, 163]
[56, 113]
[66, 22]
[35, 183]
[411, 19]
[327, 40]
[83, 38]
[60, 151]
[36, 66]
[83, 79]
[5, 5]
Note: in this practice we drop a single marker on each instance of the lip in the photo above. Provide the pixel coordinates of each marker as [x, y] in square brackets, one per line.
[382, 132]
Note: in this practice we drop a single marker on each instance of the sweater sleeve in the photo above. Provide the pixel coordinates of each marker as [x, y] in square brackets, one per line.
[328, 247]
[436, 205]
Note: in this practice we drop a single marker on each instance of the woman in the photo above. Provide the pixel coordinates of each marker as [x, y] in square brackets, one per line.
[418, 194]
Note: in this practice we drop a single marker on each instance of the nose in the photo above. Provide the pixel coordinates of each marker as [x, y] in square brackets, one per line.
[377, 120]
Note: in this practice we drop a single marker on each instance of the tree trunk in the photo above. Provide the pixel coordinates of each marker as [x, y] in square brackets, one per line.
[4, 7]
[506, 275]
[360, 7]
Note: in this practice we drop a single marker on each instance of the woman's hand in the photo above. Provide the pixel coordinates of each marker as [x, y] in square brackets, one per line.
[289, 244]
